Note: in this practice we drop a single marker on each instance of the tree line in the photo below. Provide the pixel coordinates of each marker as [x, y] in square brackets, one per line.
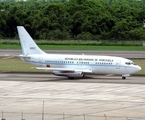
[74, 19]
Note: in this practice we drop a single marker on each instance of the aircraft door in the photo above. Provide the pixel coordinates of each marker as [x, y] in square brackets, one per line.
[118, 64]
[126, 68]
[80, 60]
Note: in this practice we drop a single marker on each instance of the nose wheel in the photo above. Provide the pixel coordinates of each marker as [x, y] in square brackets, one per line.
[123, 78]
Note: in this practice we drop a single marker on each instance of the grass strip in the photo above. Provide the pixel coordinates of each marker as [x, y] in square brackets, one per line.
[77, 47]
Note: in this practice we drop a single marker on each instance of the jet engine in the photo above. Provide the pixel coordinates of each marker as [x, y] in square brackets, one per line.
[69, 74]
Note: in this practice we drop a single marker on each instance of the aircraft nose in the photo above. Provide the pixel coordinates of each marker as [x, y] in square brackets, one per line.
[138, 68]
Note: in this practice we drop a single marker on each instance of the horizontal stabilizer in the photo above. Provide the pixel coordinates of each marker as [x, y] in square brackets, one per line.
[23, 56]
[16, 56]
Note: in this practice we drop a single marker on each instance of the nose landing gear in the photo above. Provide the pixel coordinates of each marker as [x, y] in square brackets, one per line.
[124, 76]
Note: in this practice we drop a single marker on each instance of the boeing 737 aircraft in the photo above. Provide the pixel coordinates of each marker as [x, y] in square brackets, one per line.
[73, 65]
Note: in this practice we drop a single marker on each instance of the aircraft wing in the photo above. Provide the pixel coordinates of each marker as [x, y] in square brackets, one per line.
[66, 69]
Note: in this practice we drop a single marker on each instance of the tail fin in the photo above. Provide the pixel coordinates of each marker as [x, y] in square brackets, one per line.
[27, 43]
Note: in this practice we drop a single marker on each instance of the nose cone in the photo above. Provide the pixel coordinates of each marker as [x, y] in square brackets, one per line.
[138, 68]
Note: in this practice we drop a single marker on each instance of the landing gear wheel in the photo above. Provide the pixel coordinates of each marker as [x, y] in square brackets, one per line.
[83, 75]
[123, 78]
[70, 77]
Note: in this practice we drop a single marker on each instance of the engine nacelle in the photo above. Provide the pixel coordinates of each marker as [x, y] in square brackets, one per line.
[70, 74]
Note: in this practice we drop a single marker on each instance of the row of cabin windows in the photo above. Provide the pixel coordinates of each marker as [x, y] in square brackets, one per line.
[99, 63]
[83, 63]
[60, 61]
[71, 62]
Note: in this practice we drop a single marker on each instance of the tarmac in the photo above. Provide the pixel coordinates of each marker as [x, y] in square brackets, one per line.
[31, 95]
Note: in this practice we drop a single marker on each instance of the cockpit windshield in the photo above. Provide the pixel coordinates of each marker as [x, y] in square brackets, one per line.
[130, 63]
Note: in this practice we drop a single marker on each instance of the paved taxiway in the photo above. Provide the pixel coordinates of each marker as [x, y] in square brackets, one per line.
[94, 95]
[126, 54]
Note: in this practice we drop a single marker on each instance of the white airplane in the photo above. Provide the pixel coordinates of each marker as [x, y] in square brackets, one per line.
[73, 65]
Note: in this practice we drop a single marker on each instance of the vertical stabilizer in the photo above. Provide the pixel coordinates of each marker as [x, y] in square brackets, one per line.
[27, 43]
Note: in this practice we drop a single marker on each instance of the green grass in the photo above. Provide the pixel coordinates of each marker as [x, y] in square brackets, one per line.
[16, 65]
[10, 46]
[77, 47]
[141, 63]
[88, 47]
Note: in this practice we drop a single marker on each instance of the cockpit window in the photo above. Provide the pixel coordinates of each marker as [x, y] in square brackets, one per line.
[130, 63]
[127, 63]
[133, 63]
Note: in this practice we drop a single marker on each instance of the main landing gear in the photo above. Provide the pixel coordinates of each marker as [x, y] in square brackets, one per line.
[82, 75]
[70, 77]
[123, 78]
